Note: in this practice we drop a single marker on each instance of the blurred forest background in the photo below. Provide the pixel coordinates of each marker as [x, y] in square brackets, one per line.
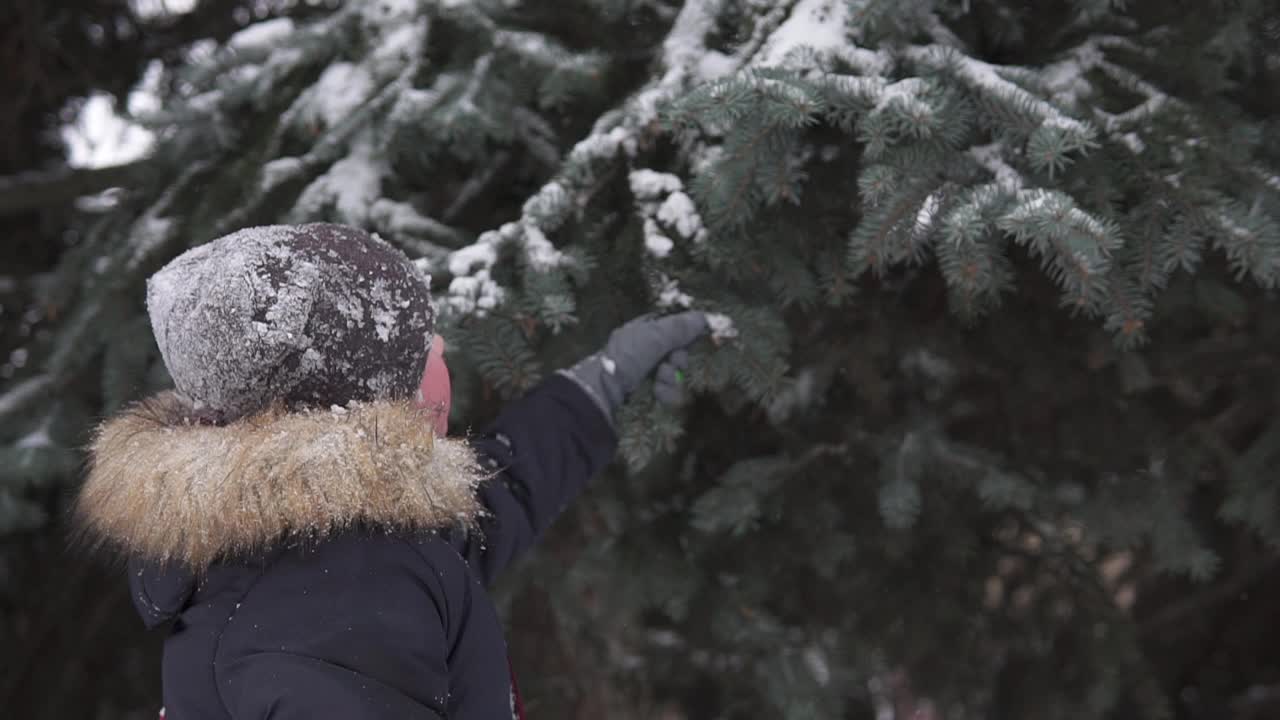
[994, 433]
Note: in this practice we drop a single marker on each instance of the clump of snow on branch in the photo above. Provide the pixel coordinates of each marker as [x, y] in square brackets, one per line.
[661, 201]
[990, 157]
[603, 146]
[280, 170]
[820, 27]
[655, 242]
[1065, 79]
[817, 24]
[401, 219]
[548, 206]
[38, 438]
[539, 252]
[261, 35]
[396, 47]
[342, 88]
[811, 36]
[349, 188]
[101, 136]
[722, 327]
[389, 12]
[1271, 181]
[649, 184]
[679, 212]
[148, 233]
[670, 295]
[904, 96]
[715, 64]
[157, 9]
[683, 53]
[663, 205]
[927, 215]
[473, 289]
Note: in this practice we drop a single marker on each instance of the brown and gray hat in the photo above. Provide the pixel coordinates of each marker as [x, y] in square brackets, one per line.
[313, 315]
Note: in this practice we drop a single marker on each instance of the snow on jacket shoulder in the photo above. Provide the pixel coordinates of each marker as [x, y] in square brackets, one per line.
[334, 564]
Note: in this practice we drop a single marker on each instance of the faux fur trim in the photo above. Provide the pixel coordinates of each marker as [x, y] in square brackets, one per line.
[170, 489]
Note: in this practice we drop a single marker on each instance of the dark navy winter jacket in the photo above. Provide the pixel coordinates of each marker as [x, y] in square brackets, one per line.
[370, 623]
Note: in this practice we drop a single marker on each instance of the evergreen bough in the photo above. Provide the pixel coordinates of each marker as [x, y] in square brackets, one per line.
[991, 289]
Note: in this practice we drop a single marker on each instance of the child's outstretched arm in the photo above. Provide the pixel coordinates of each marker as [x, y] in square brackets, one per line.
[547, 446]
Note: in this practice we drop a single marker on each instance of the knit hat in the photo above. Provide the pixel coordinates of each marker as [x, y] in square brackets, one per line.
[313, 315]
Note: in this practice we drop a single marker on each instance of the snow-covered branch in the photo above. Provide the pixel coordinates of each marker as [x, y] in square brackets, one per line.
[1066, 79]
[991, 157]
[984, 79]
[616, 135]
[59, 187]
[1270, 179]
[348, 177]
[817, 28]
[23, 394]
[1156, 99]
[417, 234]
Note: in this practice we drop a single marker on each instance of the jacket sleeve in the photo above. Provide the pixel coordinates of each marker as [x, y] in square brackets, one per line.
[545, 448]
[288, 686]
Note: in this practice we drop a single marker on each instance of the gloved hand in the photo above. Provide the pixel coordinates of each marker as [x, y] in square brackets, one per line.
[633, 352]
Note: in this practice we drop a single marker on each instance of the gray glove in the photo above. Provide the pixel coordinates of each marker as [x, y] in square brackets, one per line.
[669, 384]
[632, 352]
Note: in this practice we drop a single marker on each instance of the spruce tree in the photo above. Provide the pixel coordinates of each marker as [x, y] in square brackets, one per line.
[990, 406]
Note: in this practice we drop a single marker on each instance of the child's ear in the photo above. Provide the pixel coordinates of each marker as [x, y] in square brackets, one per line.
[435, 391]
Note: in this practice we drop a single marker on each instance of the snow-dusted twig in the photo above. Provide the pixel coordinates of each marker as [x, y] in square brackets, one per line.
[1269, 178]
[764, 31]
[1156, 100]
[940, 33]
[991, 157]
[24, 393]
[1065, 79]
[537, 135]
[417, 234]
[476, 185]
[260, 38]
[351, 185]
[153, 231]
[983, 78]
[48, 188]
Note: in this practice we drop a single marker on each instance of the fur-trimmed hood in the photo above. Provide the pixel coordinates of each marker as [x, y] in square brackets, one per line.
[166, 488]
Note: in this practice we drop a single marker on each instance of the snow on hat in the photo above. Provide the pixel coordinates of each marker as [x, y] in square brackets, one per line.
[314, 315]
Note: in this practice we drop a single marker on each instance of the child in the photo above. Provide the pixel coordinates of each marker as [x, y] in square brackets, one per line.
[289, 508]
